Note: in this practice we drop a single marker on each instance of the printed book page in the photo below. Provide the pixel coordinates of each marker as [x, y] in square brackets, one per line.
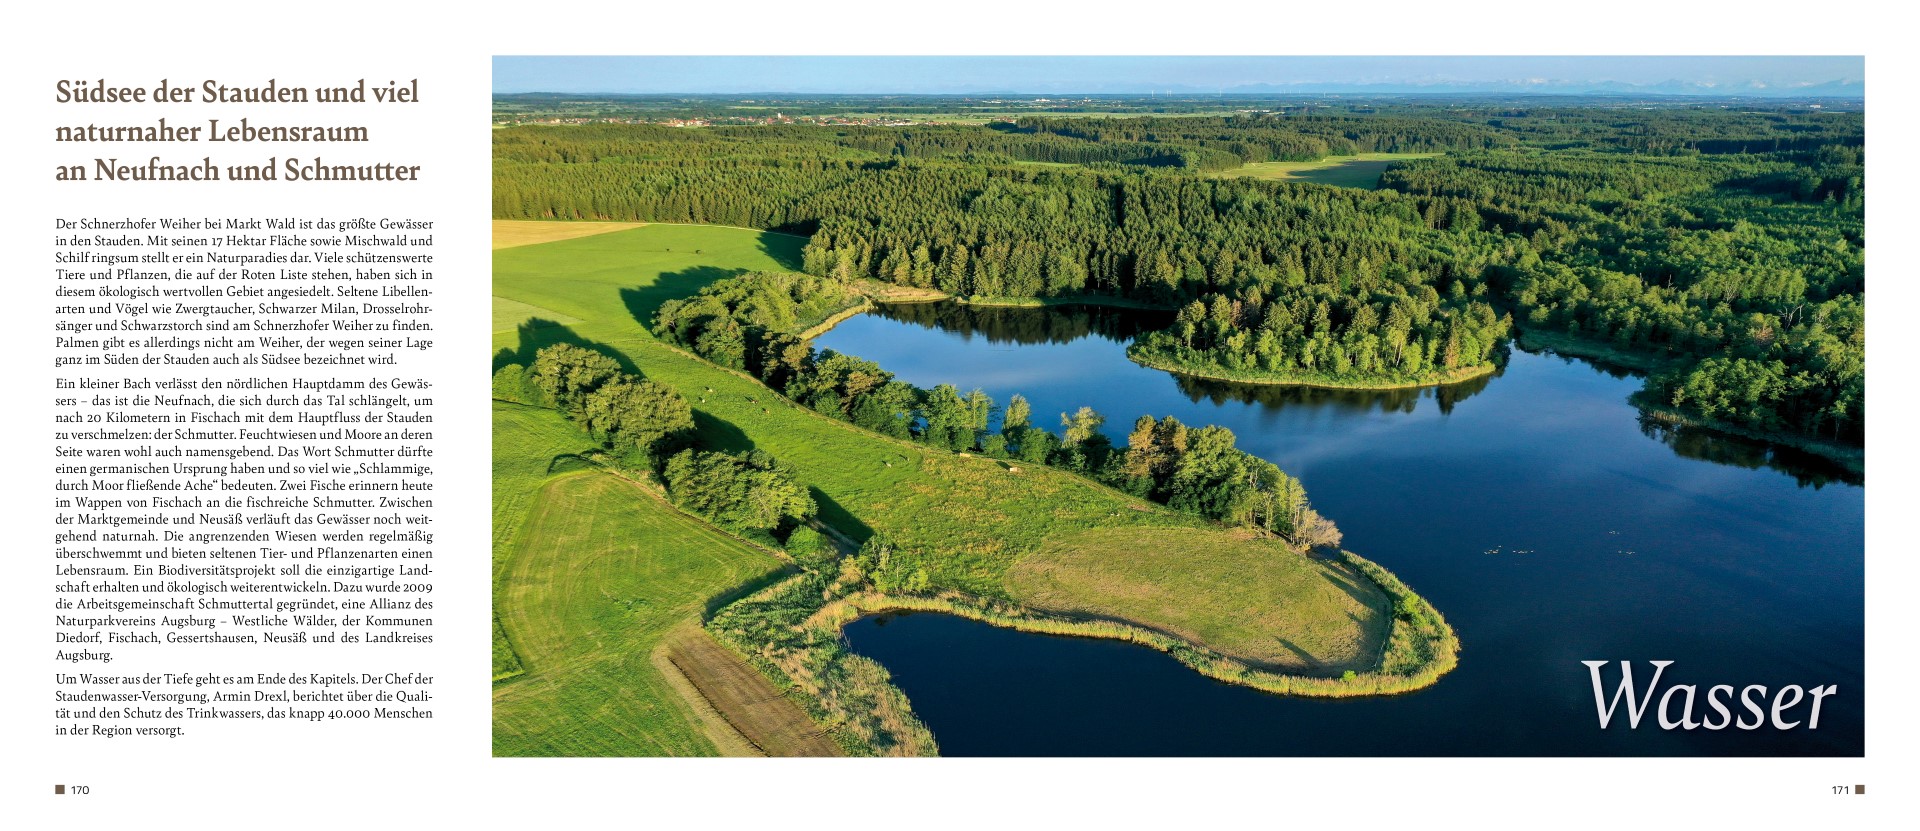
[671, 414]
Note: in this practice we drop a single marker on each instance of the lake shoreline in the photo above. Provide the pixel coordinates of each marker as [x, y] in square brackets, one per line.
[890, 294]
[880, 292]
[1070, 300]
[836, 319]
[1436, 651]
[1603, 509]
[1587, 349]
[1458, 376]
[1853, 459]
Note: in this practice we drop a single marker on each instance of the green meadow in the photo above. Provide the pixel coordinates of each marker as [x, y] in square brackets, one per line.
[1267, 616]
[568, 550]
[602, 573]
[1356, 171]
[526, 441]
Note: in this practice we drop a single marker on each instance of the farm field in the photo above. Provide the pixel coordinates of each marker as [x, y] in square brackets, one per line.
[1357, 171]
[968, 521]
[600, 576]
[526, 441]
[754, 710]
[510, 234]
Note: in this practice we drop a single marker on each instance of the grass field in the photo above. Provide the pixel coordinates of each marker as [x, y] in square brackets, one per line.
[601, 575]
[525, 442]
[508, 314]
[1357, 171]
[1290, 620]
[509, 233]
[967, 521]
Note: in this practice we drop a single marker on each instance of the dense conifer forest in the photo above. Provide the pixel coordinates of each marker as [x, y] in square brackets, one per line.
[1721, 248]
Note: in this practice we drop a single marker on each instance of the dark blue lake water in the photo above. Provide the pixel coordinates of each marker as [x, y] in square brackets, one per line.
[1535, 509]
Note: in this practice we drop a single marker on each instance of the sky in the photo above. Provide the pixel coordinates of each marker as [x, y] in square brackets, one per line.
[1129, 75]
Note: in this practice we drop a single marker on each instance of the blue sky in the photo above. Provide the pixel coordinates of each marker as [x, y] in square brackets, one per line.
[949, 74]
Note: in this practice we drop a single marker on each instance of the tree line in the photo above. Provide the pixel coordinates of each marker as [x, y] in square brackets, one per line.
[645, 426]
[1276, 137]
[1675, 235]
[1743, 276]
[1198, 470]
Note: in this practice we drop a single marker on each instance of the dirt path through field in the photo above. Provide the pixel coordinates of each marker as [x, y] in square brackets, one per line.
[721, 685]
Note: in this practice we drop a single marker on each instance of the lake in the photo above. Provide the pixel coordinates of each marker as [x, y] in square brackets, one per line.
[1535, 508]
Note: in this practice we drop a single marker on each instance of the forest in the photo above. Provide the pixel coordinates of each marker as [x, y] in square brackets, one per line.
[1722, 249]
[747, 323]
[737, 323]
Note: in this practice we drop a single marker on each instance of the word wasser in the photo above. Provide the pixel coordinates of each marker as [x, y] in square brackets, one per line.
[1719, 698]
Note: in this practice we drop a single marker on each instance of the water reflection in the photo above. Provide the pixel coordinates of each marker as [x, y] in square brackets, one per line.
[1060, 325]
[1690, 442]
[1062, 357]
[1536, 508]
[1404, 400]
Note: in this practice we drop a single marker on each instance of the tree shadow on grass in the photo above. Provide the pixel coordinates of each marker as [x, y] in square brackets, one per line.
[643, 302]
[1307, 659]
[718, 434]
[726, 598]
[1351, 582]
[836, 515]
[712, 433]
[785, 248]
[538, 333]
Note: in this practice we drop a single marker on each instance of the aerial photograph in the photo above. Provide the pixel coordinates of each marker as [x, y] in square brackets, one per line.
[1178, 406]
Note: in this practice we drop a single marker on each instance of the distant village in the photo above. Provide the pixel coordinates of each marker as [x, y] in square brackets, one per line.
[727, 121]
[516, 110]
